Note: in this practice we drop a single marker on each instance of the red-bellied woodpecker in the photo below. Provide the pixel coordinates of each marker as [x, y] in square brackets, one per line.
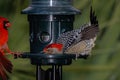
[79, 41]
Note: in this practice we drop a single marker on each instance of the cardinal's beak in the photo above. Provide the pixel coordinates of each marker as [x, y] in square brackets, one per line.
[8, 24]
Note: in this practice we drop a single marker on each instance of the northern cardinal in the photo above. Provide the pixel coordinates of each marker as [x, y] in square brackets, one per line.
[5, 64]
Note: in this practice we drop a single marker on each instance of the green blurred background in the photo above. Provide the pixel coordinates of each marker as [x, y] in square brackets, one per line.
[103, 64]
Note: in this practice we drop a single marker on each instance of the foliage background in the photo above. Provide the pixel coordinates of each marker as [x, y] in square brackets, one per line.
[102, 65]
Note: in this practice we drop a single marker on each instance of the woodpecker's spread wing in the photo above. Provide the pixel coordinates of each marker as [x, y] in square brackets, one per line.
[86, 32]
[82, 47]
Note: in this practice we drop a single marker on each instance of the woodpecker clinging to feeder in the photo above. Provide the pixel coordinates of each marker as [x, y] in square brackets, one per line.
[5, 64]
[79, 41]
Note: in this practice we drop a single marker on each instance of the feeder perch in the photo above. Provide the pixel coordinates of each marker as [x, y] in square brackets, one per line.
[47, 20]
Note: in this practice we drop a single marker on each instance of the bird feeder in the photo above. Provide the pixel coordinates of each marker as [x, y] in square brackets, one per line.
[47, 20]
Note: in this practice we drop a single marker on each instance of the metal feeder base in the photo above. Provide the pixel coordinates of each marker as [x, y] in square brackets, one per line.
[51, 59]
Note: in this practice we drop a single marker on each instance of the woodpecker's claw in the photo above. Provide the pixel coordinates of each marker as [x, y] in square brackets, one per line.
[83, 56]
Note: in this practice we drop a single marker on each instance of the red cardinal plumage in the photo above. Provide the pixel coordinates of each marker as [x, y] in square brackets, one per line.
[5, 64]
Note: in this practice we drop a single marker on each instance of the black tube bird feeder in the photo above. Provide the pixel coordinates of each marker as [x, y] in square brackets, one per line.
[47, 20]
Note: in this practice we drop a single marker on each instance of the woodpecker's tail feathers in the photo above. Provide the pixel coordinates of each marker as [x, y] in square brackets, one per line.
[93, 17]
[90, 31]
[5, 65]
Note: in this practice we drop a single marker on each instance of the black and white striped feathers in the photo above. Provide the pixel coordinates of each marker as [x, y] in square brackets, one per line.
[82, 39]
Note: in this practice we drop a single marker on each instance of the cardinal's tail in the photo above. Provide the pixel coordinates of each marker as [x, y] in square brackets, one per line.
[5, 65]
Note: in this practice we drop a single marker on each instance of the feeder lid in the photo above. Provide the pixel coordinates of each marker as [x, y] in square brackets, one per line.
[56, 7]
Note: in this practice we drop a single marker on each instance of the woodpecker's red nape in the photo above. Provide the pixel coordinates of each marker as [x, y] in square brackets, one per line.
[54, 45]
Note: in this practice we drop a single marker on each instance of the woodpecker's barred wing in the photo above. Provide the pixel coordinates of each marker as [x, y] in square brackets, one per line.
[86, 32]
